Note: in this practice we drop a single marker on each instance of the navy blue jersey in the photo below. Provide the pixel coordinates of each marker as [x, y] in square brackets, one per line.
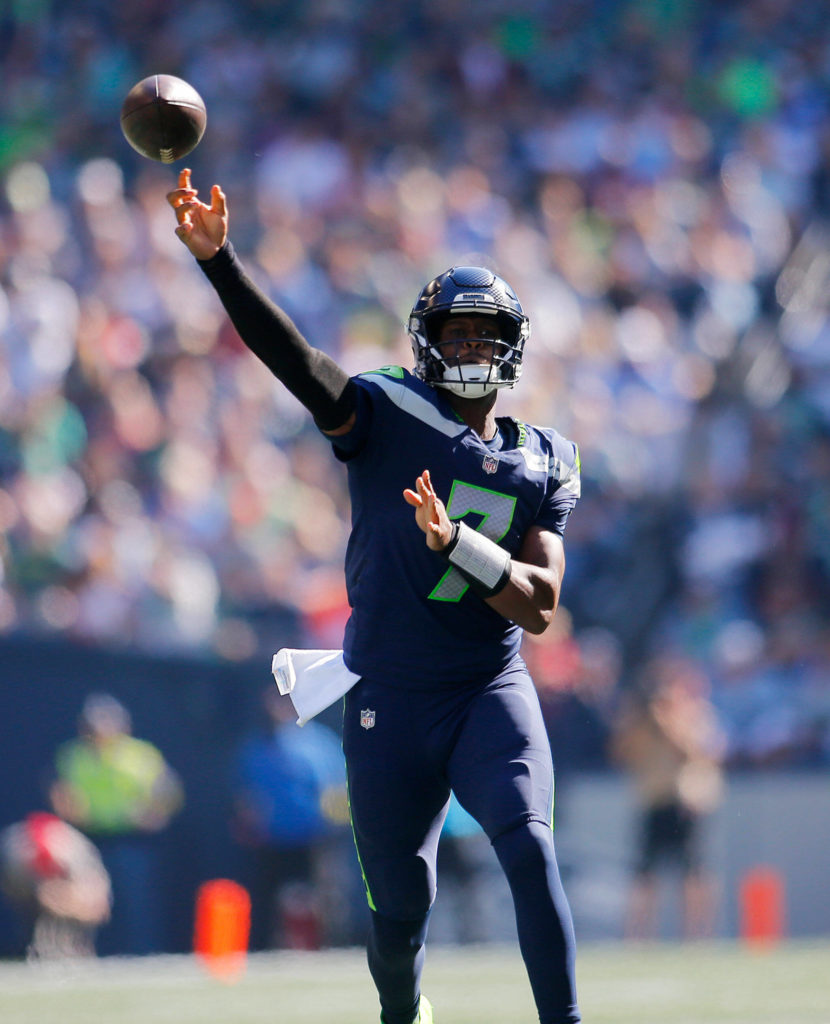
[415, 622]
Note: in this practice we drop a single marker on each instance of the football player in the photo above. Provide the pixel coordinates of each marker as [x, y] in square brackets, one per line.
[456, 547]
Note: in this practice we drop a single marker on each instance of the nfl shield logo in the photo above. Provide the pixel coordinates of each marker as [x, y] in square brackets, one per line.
[367, 719]
[490, 463]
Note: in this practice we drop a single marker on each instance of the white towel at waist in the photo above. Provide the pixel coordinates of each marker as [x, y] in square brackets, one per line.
[313, 679]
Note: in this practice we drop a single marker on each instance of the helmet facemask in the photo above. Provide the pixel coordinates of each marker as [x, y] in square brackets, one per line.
[468, 292]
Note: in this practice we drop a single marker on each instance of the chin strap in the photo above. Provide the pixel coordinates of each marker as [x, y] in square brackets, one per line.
[470, 381]
[468, 389]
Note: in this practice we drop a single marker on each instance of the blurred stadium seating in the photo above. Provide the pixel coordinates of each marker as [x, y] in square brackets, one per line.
[653, 179]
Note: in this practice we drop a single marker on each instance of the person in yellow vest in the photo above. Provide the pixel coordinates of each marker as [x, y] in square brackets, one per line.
[121, 792]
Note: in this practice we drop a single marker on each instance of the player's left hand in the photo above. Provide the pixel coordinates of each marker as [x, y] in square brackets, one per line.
[430, 513]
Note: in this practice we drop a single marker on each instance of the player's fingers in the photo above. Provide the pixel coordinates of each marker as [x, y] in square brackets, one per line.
[218, 204]
[179, 195]
[184, 177]
[425, 487]
[412, 498]
[185, 211]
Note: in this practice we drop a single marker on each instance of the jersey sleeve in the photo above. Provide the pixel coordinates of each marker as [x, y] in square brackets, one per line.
[347, 446]
[564, 487]
[370, 392]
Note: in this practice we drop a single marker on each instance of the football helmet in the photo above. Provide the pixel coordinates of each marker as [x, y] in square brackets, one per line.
[470, 291]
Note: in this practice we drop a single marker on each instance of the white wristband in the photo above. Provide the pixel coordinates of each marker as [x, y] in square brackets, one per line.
[481, 560]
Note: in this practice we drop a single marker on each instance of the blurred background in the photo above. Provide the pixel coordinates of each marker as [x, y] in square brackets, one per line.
[653, 178]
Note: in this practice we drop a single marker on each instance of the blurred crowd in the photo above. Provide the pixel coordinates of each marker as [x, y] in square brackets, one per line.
[652, 178]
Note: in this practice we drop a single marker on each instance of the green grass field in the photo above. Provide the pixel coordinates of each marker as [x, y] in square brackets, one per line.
[662, 984]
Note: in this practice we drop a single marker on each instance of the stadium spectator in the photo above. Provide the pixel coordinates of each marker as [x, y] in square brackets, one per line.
[669, 739]
[291, 817]
[121, 793]
[54, 877]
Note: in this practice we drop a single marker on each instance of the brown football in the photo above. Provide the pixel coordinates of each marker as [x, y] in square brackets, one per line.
[163, 118]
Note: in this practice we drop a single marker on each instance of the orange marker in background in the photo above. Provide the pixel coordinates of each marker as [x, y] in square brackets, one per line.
[762, 906]
[223, 924]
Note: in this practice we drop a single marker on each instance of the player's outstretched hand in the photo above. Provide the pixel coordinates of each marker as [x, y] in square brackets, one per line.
[202, 228]
[430, 513]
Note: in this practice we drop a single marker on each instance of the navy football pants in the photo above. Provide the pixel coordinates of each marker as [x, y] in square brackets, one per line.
[487, 742]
